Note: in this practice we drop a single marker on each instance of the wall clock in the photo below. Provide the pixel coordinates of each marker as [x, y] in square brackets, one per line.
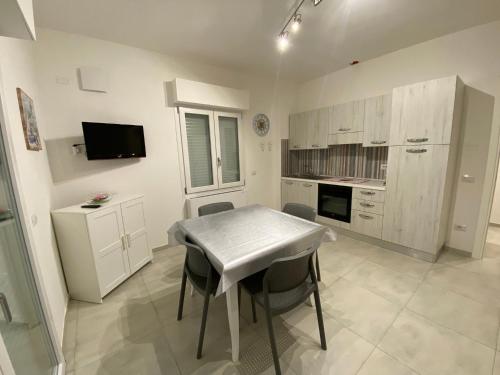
[261, 124]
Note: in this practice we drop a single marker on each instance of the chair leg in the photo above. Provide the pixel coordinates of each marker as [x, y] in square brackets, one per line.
[317, 266]
[272, 339]
[203, 323]
[320, 319]
[181, 297]
[254, 311]
[239, 298]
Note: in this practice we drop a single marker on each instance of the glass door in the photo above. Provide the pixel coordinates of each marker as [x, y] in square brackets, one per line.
[198, 146]
[229, 153]
[25, 339]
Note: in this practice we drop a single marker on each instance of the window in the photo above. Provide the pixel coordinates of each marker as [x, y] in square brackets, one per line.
[211, 149]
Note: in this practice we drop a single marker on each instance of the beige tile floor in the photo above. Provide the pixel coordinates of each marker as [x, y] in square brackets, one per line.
[385, 314]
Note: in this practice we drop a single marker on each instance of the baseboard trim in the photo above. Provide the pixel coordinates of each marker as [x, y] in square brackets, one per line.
[458, 251]
[418, 254]
[162, 247]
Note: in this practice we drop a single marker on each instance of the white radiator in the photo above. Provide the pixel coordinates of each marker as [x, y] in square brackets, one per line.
[237, 198]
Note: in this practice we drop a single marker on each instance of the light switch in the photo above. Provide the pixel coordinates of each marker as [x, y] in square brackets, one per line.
[62, 80]
[468, 178]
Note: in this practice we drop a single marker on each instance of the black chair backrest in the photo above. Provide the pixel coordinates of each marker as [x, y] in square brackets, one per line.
[300, 210]
[288, 273]
[197, 263]
[214, 208]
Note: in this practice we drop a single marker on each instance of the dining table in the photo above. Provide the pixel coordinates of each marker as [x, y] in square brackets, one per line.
[245, 240]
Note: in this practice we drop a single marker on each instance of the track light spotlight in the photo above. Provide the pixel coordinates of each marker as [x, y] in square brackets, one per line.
[283, 41]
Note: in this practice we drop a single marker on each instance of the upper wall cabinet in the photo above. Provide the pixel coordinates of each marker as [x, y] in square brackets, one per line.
[347, 117]
[423, 113]
[16, 19]
[377, 121]
[346, 123]
[298, 131]
[317, 128]
[309, 130]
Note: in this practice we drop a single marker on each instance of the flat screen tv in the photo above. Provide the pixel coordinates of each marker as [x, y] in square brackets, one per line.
[113, 141]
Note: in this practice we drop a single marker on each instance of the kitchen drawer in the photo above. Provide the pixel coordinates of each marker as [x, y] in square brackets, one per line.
[368, 206]
[369, 195]
[366, 223]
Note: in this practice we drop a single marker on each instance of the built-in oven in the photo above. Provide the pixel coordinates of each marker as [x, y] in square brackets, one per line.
[334, 202]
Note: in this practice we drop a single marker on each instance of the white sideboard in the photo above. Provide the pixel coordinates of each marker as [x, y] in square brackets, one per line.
[100, 248]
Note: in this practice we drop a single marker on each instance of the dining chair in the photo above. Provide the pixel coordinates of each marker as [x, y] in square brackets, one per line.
[203, 278]
[286, 284]
[306, 213]
[214, 208]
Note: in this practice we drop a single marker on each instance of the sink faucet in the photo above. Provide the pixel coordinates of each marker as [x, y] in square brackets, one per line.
[309, 170]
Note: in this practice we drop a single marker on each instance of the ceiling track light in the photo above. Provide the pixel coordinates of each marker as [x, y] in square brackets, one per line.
[294, 22]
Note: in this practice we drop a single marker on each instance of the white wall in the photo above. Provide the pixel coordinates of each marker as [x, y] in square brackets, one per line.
[473, 54]
[33, 176]
[137, 95]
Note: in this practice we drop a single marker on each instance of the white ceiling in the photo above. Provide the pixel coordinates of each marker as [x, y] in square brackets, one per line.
[241, 34]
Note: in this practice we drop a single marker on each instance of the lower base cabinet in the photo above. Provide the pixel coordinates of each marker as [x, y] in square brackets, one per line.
[365, 223]
[101, 248]
[303, 192]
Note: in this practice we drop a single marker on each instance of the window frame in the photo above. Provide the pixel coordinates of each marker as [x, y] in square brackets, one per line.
[185, 150]
[215, 149]
[241, 181]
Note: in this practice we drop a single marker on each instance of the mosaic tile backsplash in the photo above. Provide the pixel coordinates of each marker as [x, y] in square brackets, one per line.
[338, 160]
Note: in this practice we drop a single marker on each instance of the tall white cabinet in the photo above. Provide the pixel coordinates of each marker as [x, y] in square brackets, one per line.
[421, 165]
[100, 248]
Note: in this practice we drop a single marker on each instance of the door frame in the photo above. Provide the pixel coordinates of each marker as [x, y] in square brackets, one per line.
[28, 236]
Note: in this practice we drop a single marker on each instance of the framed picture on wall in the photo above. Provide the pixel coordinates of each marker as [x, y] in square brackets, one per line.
[28, 118]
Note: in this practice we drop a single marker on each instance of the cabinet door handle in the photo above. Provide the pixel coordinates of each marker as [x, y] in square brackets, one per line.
[416, 150]
[364, 192]
[219, 161]
[344, 129]
[367, 217]
[316, 146]
[5, 308]
[307, 185]
[378, 142]
[366, 204]
[295, 146]
[124, 245]
[417, 140]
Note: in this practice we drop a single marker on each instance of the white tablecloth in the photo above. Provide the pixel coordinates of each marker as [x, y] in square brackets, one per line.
[246, 240]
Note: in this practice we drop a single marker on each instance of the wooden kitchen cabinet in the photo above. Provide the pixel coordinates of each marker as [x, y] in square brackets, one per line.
[347, 117]
[317, 127]
[415, 196]
[298, 131]
[303, 192]
[423, 113]
[377, 121]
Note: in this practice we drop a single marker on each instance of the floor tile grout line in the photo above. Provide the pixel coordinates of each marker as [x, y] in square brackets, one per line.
[162, 326]
[458, 291]
[403, 307]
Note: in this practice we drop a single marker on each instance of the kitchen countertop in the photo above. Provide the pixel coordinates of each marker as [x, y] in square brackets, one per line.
[357, 182]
